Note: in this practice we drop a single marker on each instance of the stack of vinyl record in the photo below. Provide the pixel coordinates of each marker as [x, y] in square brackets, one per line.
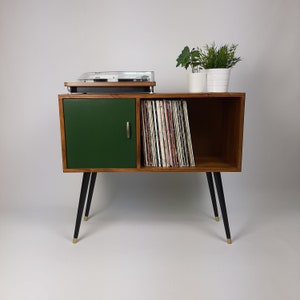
[166, 136]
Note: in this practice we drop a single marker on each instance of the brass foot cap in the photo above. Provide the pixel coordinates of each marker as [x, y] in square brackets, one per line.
[86, 218]
[217, 219]
[75, 241]
[229, 241]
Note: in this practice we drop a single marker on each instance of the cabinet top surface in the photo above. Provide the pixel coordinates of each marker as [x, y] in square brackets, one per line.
[156, 95]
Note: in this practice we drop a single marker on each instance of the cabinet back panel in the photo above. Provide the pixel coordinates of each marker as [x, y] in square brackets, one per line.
[214, 128]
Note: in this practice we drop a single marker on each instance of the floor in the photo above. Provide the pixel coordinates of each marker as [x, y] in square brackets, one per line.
[156, 240]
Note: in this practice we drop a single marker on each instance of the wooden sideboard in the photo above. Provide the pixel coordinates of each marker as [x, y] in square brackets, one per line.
[109, 133]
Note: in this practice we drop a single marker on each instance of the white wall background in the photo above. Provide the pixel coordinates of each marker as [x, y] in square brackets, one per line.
[45, 43]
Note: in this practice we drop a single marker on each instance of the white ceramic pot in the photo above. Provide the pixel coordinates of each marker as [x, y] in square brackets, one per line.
[218, 80]
[197, 82]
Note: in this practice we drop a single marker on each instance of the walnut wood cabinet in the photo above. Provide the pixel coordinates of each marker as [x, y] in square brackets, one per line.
[103, 133]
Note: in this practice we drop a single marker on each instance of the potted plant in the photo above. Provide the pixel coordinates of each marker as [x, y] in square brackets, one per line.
[191, 58]
[218, 62]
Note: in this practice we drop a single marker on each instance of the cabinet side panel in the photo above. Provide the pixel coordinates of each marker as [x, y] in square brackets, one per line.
[62, 132]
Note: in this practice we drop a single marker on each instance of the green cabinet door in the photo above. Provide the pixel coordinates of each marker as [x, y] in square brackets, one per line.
[100, 133]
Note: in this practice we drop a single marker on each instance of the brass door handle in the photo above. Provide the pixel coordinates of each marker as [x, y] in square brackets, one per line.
[128, 130]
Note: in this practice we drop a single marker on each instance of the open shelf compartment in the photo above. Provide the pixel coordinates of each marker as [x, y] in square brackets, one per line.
[216, 125]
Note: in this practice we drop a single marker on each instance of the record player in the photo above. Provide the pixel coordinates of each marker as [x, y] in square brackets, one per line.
[113, 82]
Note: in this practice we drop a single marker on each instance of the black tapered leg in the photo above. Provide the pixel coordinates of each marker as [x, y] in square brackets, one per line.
[90, 195]
[83, 192]
[212, 194]
[219, 186]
